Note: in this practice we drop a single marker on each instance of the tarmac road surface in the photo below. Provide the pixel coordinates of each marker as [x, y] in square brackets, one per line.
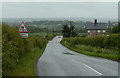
[57, 60]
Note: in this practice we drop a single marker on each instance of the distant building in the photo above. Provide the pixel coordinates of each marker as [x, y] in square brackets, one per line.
[95, 29]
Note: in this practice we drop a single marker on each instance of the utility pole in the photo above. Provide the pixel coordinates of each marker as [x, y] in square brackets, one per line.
[70, 28]
[47, 31]
[53, 30]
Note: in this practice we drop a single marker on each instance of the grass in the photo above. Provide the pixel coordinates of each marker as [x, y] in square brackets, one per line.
[93, 51]
[27, 65]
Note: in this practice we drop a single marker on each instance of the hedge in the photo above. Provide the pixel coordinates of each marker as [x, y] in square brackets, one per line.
[14, 47]
[108, 42]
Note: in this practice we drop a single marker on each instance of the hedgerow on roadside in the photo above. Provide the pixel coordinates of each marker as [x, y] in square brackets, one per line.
[99, 46]
[15, 48]
[108, 42]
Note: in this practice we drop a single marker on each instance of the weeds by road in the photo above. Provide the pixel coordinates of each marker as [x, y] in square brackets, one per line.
[84, 46]
[27, 65]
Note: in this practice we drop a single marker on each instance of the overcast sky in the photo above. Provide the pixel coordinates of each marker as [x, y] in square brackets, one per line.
[60, 0]
[59, 9]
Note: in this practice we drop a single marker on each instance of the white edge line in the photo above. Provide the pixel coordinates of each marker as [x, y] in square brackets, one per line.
[93, 69]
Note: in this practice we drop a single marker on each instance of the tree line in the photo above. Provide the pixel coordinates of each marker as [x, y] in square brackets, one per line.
[69, 30]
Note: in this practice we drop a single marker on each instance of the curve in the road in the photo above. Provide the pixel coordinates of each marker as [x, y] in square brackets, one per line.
[57, 60]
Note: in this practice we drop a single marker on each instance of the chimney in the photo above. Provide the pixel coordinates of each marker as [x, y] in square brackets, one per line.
[95, 22]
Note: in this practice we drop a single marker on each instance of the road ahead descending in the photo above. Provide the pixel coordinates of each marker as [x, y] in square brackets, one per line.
[57, 60]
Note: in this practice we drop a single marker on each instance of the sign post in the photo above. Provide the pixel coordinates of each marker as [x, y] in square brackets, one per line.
[23, 30]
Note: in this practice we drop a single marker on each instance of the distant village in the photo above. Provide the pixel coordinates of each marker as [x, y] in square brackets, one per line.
[97, 28]
[90, 29]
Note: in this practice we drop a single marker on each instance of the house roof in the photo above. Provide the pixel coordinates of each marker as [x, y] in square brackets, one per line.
[99, 26]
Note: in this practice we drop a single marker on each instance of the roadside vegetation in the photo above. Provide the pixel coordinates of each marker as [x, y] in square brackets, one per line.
[27, 65]
[0, 49]
[48, 36]
[102, 46]
[69, 30]
[20, 54]
[106, 46]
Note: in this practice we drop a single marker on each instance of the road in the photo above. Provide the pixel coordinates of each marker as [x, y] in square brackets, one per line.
[57, 60]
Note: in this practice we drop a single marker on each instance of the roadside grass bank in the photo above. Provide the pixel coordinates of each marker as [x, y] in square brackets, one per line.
[110, 54]
[27, 65]
[19, 55]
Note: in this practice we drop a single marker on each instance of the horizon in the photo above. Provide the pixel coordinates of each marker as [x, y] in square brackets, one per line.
[83, 19]
[57, 17]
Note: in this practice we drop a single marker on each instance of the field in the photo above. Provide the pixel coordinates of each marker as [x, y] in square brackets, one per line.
[44, 35]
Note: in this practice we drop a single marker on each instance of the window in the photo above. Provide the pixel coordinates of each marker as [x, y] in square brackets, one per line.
[98, 30]
[104, 31]
[88, 31]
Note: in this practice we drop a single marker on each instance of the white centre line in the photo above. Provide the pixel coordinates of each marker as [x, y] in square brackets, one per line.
[92, 69]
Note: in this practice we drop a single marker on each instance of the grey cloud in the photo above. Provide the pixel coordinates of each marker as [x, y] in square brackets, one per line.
[60, 9]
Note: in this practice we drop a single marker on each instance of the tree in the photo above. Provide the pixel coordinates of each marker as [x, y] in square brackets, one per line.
[66, 31]
[69, 31]
[116, 29]
[72, 31]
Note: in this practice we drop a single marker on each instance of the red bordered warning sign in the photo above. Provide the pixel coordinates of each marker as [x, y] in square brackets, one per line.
[22, 28]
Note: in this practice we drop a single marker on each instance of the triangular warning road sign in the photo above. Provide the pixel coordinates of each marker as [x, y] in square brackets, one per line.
[22, 28]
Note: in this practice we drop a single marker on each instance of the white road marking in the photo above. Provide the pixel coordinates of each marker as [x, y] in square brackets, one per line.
[92, 69]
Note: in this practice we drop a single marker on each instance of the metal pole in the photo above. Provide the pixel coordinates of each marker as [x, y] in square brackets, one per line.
[47, 31]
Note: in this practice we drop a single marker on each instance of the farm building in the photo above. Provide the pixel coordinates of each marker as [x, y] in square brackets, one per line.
[95, 29]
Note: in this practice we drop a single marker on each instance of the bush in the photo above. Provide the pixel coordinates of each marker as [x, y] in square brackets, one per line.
[108, 42]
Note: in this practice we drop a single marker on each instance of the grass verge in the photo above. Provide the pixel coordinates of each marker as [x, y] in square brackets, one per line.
[27, 65]
[92, 53]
